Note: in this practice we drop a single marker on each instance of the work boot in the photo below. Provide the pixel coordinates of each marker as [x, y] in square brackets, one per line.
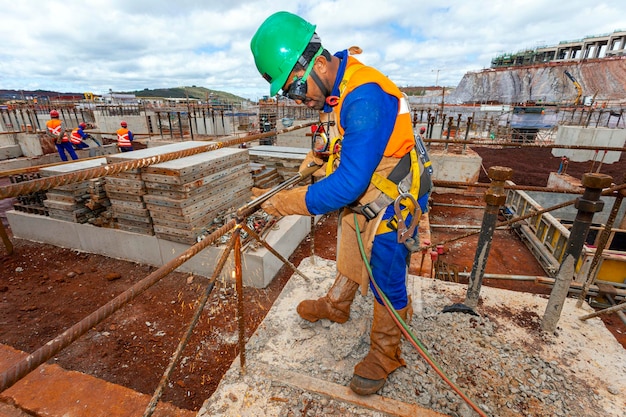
[384, 356]
[334, 306]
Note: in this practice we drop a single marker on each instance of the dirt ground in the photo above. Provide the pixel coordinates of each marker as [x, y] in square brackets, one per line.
[45, 289]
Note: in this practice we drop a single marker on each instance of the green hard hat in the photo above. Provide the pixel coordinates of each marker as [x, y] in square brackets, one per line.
[278, 44]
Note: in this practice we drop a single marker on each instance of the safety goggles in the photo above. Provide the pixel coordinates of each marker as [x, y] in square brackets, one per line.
[298, 88]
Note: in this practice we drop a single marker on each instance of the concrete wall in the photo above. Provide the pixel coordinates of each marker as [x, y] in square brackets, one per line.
[598, 136]
[259, 266]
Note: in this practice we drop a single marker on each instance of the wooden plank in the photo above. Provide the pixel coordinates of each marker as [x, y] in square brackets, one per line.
[345, 394]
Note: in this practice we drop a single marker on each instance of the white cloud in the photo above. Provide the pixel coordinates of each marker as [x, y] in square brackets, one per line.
[97, 45]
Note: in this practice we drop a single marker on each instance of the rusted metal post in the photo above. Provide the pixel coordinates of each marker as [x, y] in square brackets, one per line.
[588, 204]
[239, 287]
[469, 126]
[494, 197]
[604, 238]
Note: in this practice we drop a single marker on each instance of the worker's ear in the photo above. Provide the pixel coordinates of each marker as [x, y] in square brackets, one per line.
[321, 64]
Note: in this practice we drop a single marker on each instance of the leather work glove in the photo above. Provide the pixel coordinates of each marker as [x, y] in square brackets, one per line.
[312, 157]
[258, 192]
[287, 202]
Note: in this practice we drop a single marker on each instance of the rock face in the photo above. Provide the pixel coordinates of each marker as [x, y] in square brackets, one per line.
[603, 78]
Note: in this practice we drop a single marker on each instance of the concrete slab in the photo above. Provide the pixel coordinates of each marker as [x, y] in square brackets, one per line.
[259, 266]
[10, 151]
[72, 167]
[158, 150]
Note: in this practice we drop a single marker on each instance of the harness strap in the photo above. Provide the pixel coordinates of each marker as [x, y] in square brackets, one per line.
[390, 188]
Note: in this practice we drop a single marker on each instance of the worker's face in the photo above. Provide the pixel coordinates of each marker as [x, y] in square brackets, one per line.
[307, 93]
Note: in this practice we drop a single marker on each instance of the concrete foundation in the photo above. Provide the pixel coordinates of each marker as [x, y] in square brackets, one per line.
[259, 266]
[456, 167]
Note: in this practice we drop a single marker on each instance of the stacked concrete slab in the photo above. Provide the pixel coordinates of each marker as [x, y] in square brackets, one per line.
[76, 202]
[185, 196]
[285, 159]
[126, 190]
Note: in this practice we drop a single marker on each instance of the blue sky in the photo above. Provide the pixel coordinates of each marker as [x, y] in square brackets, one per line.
[97, 45]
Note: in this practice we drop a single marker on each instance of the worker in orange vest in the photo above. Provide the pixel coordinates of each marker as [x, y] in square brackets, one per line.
[78, 135]
[56, 130]
[124, 138]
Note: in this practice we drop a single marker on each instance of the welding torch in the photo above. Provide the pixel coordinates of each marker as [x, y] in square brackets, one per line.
[252, 205]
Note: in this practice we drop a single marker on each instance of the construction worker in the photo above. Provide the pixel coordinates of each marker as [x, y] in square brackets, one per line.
[55, 129]
[124, 138]
[78, 135]
[376, 168]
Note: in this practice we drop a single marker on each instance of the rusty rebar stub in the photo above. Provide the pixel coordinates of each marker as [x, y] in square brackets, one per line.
[497, 173]
[596, 180]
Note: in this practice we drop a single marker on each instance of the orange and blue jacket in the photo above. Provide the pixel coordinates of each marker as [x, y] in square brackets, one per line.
[54, 127]
[124, 138]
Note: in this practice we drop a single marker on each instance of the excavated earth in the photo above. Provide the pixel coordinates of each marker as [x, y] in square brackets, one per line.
[45, 289]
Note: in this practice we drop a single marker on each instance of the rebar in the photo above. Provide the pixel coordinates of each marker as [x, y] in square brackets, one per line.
[41, 184]
[26, 365]
[192, 324]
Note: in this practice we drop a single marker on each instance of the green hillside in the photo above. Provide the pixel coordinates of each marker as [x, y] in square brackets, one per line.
[200, 93]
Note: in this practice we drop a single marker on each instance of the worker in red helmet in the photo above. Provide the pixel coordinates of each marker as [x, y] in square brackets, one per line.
[78, 135]
[56, 130]
[124, 138]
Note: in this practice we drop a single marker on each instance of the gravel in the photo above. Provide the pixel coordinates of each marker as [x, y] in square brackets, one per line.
[500, 359]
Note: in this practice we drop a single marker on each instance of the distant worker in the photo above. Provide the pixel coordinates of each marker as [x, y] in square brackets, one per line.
[56, 130]
[78, 135]
[124, 138]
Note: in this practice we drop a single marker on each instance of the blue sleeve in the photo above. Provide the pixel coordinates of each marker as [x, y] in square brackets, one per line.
[368, 115]
[130, 136]
[83, 134]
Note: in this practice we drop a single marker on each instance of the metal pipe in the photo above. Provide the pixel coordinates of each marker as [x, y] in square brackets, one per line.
[527, 145]
[587, 205]
[494, 197]
[504, 276]
[617, 307]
